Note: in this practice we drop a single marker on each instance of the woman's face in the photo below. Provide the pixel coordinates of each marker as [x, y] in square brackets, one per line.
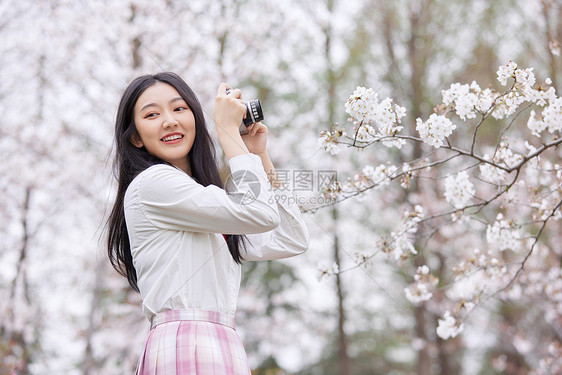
[165, 125]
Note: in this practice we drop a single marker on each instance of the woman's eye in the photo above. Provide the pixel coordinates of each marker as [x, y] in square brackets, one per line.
[149, 115]
[180, 109]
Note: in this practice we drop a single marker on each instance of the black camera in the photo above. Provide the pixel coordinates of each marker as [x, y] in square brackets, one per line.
[254, 114]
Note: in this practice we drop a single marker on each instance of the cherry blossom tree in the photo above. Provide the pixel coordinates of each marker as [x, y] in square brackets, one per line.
[507, 192]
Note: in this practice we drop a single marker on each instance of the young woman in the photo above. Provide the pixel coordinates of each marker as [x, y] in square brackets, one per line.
[177, 236]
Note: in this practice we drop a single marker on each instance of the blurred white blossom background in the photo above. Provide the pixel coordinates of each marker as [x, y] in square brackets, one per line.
[441, 121]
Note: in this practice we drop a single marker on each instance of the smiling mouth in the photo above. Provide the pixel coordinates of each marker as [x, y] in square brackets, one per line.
[172, 138]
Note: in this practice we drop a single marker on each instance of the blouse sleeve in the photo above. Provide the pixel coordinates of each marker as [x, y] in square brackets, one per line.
[171, 199]
[290, 238]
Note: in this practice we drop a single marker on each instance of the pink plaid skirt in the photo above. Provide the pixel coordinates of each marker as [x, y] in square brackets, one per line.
[193, 342]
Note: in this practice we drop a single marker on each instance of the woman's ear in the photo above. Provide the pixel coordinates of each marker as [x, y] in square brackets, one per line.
[136, 140]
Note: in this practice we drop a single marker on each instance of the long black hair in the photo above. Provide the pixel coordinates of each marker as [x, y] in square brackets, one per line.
[130, 161]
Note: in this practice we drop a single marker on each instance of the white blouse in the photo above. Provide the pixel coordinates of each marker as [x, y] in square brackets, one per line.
[176, 229]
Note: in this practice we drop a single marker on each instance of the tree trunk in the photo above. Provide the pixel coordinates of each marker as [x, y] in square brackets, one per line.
[16, 337]
[136, 42]
[89, 360]
[343, 355]
[344, 361]
[417, 63]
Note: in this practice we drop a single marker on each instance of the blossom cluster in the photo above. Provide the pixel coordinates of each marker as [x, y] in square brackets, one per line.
[550, 118]
[401, 245]
[435, 129]
[373, 121]
[458, 189]
[544, 180]
[413, 218]
[525, 90]
[363, 106]
[544, 205]
[503, 234]
[369, 177]
[477, 274]
[503, 156]
[408, 173]
[422, 288]
[490, 173]
[506, 71]
[522, 89]
[449, 327]
[332, 191]
[480, 274]
[329, 140]
[467, 99]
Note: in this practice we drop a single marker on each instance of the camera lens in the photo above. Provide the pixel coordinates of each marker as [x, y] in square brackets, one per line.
[254, 112]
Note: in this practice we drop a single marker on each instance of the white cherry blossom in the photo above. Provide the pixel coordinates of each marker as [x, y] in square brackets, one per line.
[435, 129]
[506, 71]
[503, 234]
[422, 288]
[458, 189]
[448, 327]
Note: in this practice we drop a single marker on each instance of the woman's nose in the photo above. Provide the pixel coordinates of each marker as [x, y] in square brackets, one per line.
[169, 122]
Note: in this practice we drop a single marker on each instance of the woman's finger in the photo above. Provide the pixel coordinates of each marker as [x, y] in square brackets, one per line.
[258, 127]
[262, 128]
[235, 93]
[221, 90]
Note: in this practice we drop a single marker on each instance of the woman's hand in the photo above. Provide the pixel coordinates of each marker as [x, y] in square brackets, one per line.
[256, 142]
[229, 109]
[256, 139]
[229, 112]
